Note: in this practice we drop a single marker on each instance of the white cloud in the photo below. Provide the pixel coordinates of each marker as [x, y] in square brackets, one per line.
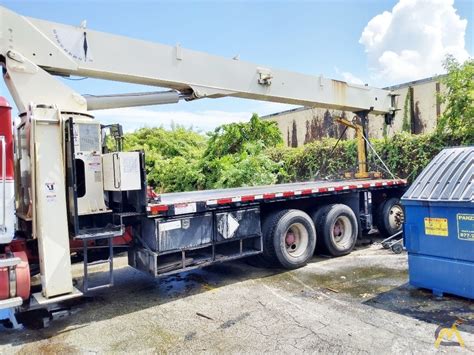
[349, 77]
[412, 40]
[133, 118]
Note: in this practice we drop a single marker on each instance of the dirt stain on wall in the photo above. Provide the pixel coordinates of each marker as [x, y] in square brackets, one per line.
[325, 127]
[294, 135]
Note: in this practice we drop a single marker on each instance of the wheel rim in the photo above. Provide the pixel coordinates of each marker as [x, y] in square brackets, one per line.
[395, 217]
[296, 240]
[341, 232]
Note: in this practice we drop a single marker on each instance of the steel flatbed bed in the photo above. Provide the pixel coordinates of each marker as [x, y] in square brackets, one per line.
[200, 201]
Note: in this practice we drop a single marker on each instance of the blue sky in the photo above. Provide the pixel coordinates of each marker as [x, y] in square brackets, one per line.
[339, 39]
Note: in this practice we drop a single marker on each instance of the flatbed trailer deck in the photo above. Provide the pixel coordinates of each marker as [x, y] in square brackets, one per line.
[284, 222]
[180, 202]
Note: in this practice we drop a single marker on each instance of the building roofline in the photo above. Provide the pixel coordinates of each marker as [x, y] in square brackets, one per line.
[297, 109]
[415, 82]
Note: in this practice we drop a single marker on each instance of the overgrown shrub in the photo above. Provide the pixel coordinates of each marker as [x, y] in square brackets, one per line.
[231, 138]
[254, 164]
[405, 155]
[172, 156]
[319, 159]
[235, 154]
[248, 168]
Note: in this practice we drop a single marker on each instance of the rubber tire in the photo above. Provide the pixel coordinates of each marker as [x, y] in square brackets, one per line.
[316, 217]
[382, 221]
[326, 221]
[274, 228]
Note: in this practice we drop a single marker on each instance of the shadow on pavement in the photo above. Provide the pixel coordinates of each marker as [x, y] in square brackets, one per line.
[133, 291]
[423, 305]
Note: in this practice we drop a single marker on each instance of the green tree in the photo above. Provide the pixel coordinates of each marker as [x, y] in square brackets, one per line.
[458, 117]
[235, 154]
[231, 138]
[248, 168]
[171, 156]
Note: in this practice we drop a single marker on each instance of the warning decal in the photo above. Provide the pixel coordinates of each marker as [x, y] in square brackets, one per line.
[227, 226]
[50, 192]
[183, 208]
[168, 226]
[436, 226]
[465, 222]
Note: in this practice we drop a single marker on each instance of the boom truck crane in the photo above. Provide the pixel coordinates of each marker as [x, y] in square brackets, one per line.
[62, 188]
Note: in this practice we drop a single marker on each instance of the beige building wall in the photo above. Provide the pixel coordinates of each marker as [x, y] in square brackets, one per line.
[304, 125]
[419, 110]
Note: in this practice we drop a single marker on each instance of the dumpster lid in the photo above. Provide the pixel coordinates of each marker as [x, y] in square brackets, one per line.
[448, 177]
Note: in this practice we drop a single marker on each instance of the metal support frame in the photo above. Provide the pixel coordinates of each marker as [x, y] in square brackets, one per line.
[363, 166]
[368, 210]
[361, 133]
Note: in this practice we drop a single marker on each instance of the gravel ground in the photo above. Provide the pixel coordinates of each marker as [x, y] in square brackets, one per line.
[359, 303]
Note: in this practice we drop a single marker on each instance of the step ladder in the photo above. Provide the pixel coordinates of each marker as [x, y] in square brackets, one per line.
[87, 237]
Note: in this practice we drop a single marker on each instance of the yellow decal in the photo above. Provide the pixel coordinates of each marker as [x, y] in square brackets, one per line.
[436, 226]
[448, 333]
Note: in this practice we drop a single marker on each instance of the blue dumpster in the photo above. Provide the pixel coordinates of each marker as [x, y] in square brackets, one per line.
[439, 224]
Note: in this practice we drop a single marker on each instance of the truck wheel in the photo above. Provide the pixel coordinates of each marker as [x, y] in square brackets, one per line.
[316, 216]
[390, 217]
[289, 239]
[338, 230]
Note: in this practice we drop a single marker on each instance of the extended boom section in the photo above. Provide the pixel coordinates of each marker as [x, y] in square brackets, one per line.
[69, 50]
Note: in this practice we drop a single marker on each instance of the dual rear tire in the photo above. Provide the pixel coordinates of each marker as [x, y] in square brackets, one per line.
[337, 229]
[389, 217]
[289, 236]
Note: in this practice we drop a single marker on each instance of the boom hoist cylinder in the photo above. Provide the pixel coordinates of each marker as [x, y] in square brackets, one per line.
[362, 171]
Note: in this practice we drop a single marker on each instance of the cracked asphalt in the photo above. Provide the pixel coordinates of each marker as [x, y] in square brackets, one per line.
[359, 303]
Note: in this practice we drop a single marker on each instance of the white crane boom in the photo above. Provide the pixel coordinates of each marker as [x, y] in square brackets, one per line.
[69, 50]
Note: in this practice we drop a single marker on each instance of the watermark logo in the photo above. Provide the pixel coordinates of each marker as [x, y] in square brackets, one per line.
[449, 336]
